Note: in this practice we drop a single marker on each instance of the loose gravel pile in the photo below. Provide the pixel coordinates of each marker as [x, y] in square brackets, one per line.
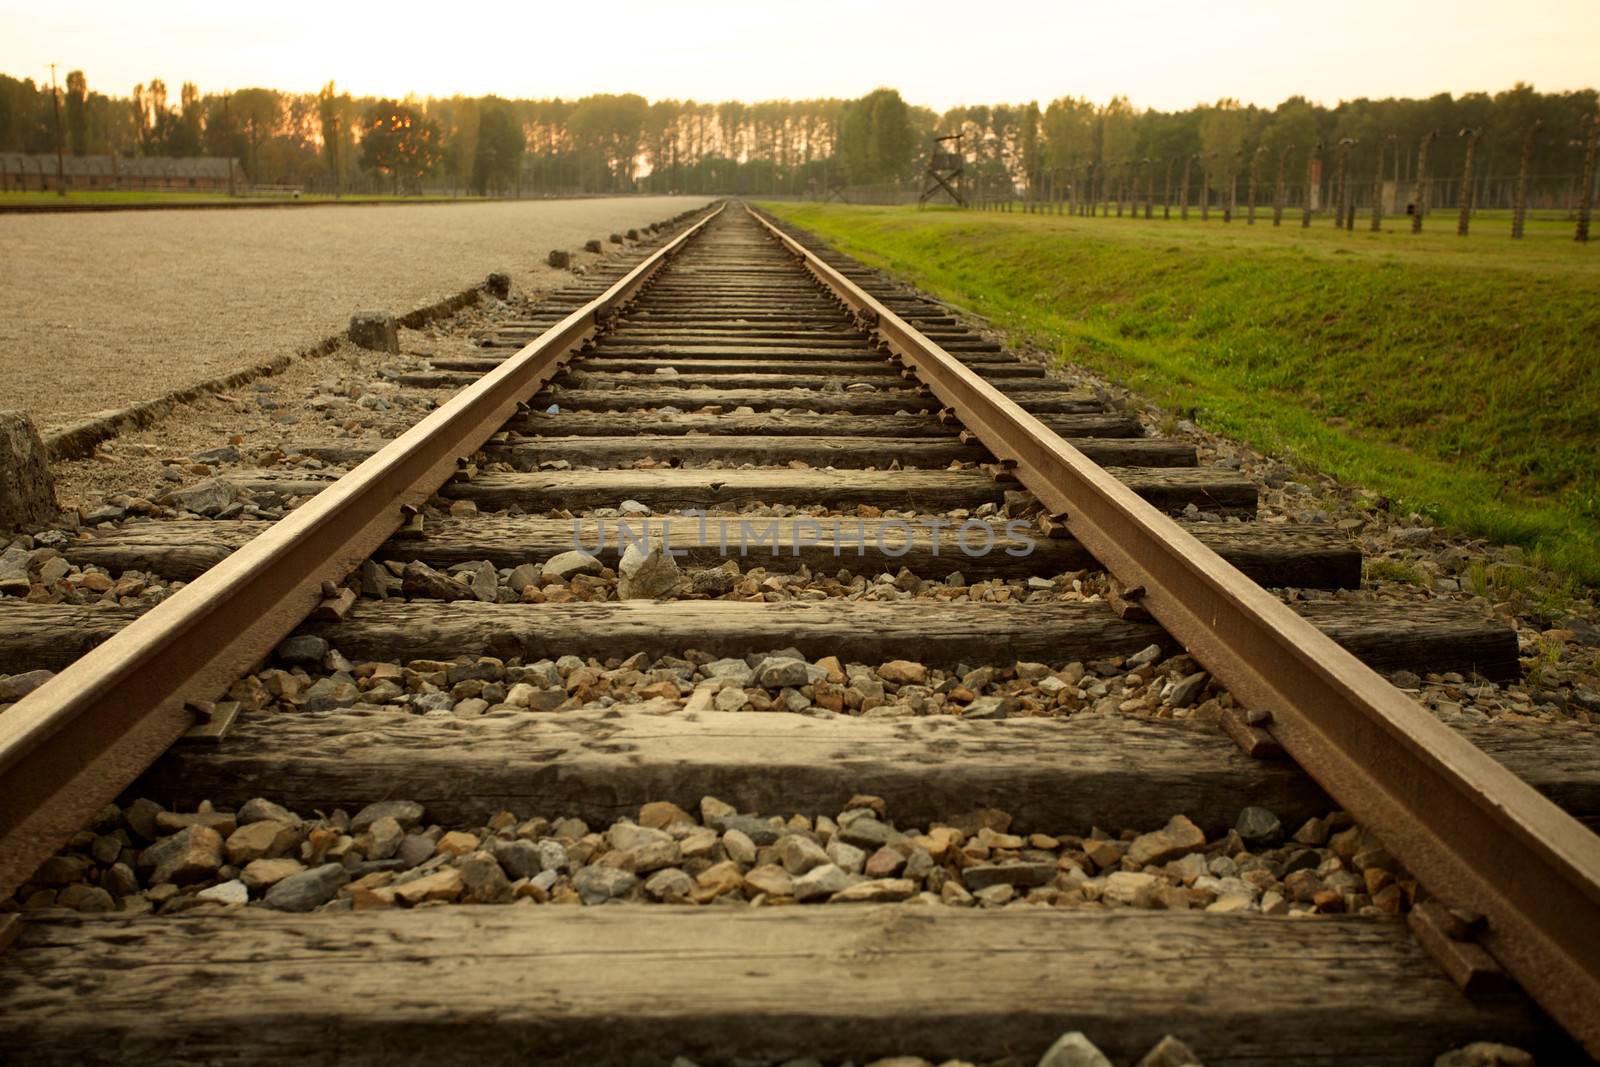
[141, 858]
[103, 309]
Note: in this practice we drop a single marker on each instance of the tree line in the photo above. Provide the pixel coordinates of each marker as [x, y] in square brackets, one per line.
[621, 142]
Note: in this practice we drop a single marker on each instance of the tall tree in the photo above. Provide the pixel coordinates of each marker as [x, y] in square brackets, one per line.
[497, 163]
[77, 107]
[876, 140]
[397, 141]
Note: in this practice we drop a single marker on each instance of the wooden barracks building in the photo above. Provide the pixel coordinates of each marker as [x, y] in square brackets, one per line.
[19, 173]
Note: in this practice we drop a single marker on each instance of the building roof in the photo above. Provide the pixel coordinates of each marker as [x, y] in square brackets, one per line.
[126, 166]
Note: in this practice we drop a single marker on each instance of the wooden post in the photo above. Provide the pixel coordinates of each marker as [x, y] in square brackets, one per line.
[1255, 160]
[1586, 193]
[1464, 219]
[1183, 193]
[1519, 197]
[1419, 199]
[1311, 177]
[1377, 185]
[1166, 194]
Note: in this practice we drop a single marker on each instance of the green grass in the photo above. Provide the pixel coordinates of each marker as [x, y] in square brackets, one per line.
[1459, 377]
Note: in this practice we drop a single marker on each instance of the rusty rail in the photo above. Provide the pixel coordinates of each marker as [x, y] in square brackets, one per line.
[1478, 838]
[70, 747]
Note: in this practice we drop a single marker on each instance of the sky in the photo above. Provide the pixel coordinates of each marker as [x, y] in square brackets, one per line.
[1164, 54]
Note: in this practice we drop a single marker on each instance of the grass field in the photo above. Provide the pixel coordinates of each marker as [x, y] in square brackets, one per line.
[1460, 378]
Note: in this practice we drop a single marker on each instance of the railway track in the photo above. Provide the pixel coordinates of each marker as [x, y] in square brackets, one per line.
[919, 520]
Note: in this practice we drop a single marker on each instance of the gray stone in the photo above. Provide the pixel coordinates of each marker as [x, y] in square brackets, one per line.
[376, 581]
[484, 582]
[498, 284]
[204, 497]
[1144, 657]
[714, 582]
[739, 847]
[193, 854]
[225, 454]
[774, 673]
[820, 883]
[869, 834]
[559, 258]
[669, 884]
[1173, 841]
[260, 810]
[633, 507]
[523, 576]
[303, 650]
[234, 892]
[736, 671]
[983, 875]
[1258, 826]
[104, 513]
[988, 708]
[308, 889]
[625, 836]
[553, 856]
[326, 694]
[375, 330]
[485, 882]
[27, 490]
[1073, 1050]
[519, 858]
[1188, 690]
[387, 837]
[799, 854]
[757, 829]
[597, 885]
[415, 849]
[847, 857]
[649, 575]
[569, 564]
[422, 581]
[408, 813]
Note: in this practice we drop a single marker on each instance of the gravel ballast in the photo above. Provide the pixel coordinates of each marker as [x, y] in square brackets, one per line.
[106, 309]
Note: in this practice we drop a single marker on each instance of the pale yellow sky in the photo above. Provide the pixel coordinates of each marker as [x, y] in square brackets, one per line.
[1161, 53]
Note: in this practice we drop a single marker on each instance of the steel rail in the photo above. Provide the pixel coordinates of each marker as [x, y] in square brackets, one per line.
[70, 747]
[1476, 837]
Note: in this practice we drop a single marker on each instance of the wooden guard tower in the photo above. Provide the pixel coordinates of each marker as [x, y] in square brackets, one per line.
[944, 171]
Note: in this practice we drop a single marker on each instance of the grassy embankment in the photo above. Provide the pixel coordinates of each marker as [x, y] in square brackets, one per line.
[1460, 378]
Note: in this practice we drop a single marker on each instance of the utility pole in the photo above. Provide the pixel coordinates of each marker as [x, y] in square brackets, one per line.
[61, 159]
[227, 133]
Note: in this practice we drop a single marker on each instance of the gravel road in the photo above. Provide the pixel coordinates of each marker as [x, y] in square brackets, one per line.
[100, 310]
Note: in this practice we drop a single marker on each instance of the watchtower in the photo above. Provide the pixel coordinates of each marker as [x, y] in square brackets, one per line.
[944, 170]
